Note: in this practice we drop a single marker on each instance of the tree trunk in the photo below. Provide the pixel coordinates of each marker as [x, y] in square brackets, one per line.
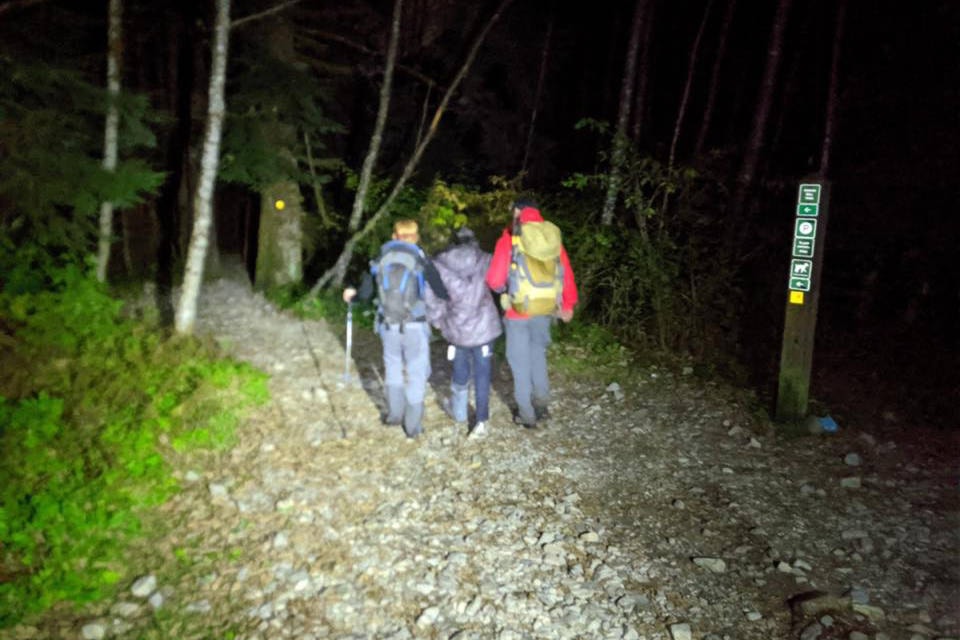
[366, 172]
[762, 115]
[791, 81]
[343, 260]
[114, 57]
[280, 236]
[186, 314]
[830, 121]
[545, 56]
[715, 78]
[643, 73]
[682, 110]
[618, 154]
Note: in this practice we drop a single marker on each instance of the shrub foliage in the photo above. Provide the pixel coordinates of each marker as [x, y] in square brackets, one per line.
[89, 420]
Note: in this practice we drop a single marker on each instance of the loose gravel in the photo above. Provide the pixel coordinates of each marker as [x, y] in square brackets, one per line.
[653, 507]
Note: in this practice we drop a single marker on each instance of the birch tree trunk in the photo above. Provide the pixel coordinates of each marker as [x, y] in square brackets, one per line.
[366, 172]
[111, 129]
[186, 313]
[618, 155]
[833, 99]
[340, 266]
[715, 78]
[762, 114]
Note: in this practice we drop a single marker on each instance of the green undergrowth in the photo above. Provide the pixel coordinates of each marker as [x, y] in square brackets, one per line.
[92, 413]
[326, 305]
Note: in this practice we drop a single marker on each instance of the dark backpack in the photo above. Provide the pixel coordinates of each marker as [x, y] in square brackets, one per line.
[399, 275]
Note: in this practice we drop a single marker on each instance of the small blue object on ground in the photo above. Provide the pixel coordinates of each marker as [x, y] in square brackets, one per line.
[829, 424]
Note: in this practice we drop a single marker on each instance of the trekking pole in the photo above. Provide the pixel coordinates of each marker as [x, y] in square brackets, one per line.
[346, 357]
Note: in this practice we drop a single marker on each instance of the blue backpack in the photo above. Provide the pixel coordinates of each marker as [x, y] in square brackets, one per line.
[399, 276]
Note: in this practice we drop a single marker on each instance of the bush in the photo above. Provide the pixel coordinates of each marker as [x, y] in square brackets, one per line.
[86, 431]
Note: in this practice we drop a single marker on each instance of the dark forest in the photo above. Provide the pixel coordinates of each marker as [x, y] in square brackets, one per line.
[538, 106]
[667, 139]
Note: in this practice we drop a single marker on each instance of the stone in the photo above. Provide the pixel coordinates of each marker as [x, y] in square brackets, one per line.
[144, 586]
[681, 631]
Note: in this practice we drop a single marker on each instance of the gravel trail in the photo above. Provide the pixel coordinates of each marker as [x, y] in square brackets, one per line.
[653, 509]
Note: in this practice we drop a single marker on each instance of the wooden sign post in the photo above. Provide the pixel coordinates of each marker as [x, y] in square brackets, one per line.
[803, 297]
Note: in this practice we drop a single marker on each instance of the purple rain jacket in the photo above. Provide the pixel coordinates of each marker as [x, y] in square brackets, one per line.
[470, 317]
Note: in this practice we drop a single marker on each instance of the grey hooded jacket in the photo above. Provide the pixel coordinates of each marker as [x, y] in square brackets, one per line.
[470, 317]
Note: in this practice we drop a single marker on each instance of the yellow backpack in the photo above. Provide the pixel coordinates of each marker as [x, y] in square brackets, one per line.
[535, 284]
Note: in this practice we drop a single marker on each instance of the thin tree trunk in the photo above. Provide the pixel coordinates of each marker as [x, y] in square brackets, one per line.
[833, 99]
[423, 114]
[762, 115]
[643, 73]
[541, 76]
[715, 78]
[264, 14]
[111, 129]
[325, 220]
[791, 81]
[340, 265]
[186, 314]
[366, 172]
[682, 110]
[618, 155]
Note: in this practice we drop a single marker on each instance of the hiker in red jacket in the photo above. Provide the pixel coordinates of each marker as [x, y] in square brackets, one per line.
[528, 325]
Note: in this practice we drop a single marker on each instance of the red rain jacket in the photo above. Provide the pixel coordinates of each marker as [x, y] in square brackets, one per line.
[500, 266]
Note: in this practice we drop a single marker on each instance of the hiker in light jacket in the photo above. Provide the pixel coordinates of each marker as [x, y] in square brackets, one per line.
[470, 322]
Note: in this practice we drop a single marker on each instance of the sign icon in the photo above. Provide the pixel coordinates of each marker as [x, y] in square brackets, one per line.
[809, 194]
[800, 274]
[801, 268]
[802, 248]
[808, 210]
[805, 229]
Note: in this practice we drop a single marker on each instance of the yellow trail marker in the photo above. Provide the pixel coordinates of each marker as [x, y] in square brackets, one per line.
[280, 204]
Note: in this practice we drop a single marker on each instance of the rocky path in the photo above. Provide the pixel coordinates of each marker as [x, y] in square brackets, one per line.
[651, 509]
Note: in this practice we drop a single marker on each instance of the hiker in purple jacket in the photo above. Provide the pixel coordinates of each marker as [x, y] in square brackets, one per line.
[470, 322]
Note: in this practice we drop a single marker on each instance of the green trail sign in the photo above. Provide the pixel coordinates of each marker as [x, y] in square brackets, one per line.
[805, 229]
[803, 284]
[809, 194]
[803, 247]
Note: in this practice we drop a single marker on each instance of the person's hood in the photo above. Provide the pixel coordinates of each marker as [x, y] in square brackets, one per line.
[529, 214]
[463, 260]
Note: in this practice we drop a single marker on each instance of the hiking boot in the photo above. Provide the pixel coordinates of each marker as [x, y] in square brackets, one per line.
[387, 421]
[456, 405]
[412, 419]
[526, 424]
[479, 429]
[396, 402]
[541, 412]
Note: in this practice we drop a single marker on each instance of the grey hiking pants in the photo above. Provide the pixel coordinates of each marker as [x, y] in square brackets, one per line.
[527, 342]
[406, 358]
